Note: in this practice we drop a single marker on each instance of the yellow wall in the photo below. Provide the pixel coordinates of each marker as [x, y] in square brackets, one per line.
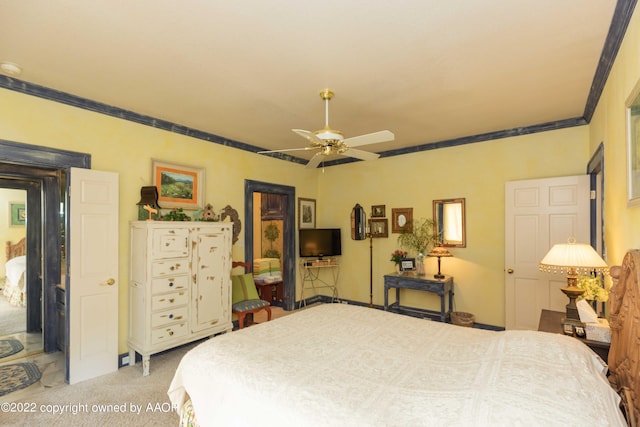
[477, 172]
[622, 223]
[127, 148]
[9, 233]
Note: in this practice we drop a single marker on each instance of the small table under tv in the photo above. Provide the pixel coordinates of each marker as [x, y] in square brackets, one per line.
[317, 274]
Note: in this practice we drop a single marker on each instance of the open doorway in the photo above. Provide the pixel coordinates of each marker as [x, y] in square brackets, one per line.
[271, 230]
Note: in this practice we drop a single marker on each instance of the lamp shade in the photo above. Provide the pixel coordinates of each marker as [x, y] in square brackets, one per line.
[439, 251]
[579, 257]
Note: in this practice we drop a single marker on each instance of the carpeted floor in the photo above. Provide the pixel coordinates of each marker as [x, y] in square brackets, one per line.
[122, 398]
[12, 319]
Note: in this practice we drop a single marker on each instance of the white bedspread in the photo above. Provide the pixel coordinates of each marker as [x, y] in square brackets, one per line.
[343, 365]
[14, 269]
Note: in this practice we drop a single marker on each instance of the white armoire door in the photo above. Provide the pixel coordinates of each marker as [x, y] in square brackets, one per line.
[538, 214]
[93, 274]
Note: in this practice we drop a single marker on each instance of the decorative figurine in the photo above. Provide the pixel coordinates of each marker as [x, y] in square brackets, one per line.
[148, 197]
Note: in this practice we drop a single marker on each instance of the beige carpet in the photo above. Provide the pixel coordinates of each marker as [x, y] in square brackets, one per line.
[12, 319]
[123, 398]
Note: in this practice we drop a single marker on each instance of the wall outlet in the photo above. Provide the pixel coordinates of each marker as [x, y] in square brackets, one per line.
[123, 360]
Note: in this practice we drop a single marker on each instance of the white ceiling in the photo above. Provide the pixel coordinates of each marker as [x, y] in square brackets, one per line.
[251, 70]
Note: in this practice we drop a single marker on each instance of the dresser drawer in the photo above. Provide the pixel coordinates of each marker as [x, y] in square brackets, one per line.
[170, 242]
[168, 316]
[161, 302]
[169, 333]
[169, 268]
[168, 284]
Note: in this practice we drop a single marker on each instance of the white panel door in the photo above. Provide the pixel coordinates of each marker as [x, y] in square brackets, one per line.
[93, 278]
[538, 214]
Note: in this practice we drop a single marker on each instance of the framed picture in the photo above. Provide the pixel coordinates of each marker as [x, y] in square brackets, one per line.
[378, 211]
[401, 219]
[17, 214]
[179, 186]
[378, 227]
[306, 213]
[407, 264]
[633, 147]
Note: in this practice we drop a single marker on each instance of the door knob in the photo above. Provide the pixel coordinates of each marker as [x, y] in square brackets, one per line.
[510, 271]
[109, 282]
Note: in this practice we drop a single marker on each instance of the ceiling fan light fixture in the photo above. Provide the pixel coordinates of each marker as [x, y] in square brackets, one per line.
[329, 135]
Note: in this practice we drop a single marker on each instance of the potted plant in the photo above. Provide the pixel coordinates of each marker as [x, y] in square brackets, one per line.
[418, 236]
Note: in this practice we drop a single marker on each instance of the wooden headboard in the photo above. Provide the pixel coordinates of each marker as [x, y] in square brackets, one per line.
[15, 250]
[624, 355]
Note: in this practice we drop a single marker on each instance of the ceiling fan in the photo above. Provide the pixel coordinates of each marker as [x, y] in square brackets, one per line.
[331, 142]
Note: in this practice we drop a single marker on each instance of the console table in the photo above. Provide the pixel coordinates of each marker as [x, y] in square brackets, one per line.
[441, 287]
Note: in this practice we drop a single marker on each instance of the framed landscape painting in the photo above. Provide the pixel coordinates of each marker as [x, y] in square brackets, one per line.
[179, 186]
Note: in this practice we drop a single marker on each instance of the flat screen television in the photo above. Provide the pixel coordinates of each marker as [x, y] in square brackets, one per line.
[320, 242]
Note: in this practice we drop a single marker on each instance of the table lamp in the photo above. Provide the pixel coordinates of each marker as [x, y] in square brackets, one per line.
[572, 258]
[439, 251]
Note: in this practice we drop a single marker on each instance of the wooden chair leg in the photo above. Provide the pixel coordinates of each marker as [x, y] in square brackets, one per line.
[240, 320]
[268, 312]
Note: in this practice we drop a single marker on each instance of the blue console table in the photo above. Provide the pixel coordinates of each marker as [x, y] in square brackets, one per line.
[427, 283]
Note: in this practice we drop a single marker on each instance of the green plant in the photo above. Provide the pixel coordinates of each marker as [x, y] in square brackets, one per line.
[418, 236]
[176, 215]
[593, 288]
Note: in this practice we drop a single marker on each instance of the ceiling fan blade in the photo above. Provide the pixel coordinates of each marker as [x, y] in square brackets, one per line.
[287, 149]
[361, 154]
[370, 138]
[308, 135]
[315, 161]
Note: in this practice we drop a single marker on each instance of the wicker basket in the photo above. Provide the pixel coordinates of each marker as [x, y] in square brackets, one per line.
[462, 319]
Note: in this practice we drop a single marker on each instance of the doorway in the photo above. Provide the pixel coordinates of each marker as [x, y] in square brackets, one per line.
[42, 172]
[283, 198]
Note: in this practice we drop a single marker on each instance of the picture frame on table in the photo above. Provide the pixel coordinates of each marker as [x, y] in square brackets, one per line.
[306, 213]
[179, 186]
[401, 219]
[407, 264]
[378, 227]
[633, 147]
[17, 214]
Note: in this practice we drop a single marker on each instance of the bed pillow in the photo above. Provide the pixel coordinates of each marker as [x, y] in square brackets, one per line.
[243, 288]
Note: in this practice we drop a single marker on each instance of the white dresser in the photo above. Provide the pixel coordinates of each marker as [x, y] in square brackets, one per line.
[180, 285]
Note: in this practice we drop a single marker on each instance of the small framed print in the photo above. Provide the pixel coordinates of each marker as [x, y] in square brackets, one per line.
[407, 264]
[378, 227]
[402, 219]
[378, 211]
[306, 213]
[18, 214]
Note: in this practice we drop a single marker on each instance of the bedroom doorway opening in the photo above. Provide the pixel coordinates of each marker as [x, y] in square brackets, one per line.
[17, 328]
[270, 230]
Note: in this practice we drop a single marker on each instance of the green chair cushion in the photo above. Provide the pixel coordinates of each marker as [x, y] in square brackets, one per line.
[248, 305]
[243, 288]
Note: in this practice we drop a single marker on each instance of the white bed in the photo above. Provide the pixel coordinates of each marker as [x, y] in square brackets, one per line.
[15, 272]
[337, 364]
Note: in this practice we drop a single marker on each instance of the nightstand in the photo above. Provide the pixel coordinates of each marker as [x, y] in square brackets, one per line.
[551, 321]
